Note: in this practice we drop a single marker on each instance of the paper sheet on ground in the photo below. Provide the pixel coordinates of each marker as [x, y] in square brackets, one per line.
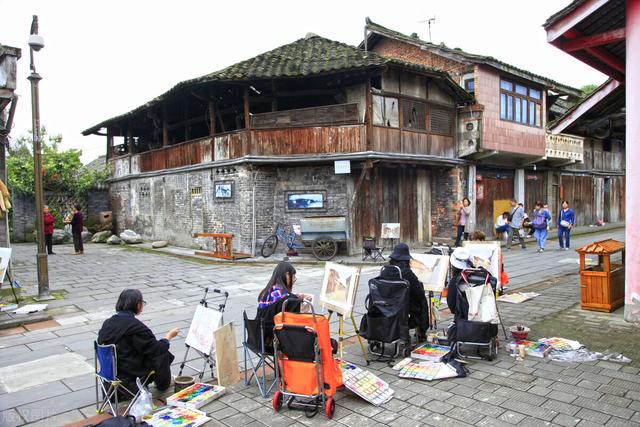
[517, 297]
[30, 308]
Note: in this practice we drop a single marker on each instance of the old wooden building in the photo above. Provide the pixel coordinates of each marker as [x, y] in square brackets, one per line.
[237, 150]
[504, 135]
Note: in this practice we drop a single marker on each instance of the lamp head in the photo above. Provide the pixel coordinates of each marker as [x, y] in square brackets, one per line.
[36, 42]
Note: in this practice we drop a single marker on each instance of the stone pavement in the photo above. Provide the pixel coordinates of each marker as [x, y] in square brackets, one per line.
[502, 392]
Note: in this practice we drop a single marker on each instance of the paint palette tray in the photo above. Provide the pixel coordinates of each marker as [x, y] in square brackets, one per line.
[196, 395]
[176, 417]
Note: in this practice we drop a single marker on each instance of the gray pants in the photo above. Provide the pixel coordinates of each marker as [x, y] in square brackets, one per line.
[510, 238]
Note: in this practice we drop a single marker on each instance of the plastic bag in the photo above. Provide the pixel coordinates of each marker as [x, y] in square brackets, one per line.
[584, 355]
[143, 404]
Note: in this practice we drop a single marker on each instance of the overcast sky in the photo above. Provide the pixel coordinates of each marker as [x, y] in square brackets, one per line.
[102, 59]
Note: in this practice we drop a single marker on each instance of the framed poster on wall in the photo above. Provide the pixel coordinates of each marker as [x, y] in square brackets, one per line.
[306, 201]
[223, 190]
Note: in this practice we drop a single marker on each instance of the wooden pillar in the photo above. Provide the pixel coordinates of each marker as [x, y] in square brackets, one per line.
[129, 141]
[212, 117]
[247, 121]
[368, 116]
[165, 128]
[187, 124]
[109, 143]
[274, 99]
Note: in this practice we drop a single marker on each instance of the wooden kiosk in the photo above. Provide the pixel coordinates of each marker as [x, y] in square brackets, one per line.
[602, 285]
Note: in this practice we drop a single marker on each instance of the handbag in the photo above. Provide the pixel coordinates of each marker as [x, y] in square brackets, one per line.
[565, 224]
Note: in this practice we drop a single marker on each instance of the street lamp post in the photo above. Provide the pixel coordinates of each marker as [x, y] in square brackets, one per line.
[35, 44]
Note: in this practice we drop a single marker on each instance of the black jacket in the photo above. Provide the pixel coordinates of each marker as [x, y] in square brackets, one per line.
[418, 304]
[136, 345]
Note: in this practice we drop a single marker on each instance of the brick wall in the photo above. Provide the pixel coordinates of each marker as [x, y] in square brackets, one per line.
[410, 53]
[447, 189]
[500, 134]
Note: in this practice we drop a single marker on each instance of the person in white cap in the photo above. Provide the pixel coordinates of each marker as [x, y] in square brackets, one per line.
[459, 260]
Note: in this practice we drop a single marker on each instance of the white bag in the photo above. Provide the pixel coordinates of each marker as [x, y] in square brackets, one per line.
[143, 405]
[482, 304]
[565, 224]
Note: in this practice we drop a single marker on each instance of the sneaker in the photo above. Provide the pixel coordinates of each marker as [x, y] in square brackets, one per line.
[540, 250]
[566, 249]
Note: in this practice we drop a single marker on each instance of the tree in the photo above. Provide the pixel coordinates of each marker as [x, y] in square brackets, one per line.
[62, 171]
[587, 89]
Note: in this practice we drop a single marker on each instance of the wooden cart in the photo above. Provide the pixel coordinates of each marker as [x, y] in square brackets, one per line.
[323, 233]
[602, 285]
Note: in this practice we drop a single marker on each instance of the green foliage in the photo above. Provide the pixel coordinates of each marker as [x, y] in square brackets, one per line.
[62, 171]
[587, 89]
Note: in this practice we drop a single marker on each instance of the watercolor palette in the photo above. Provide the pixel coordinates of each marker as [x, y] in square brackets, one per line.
[560, 344]
[533, 348]
[427, 371]
[176, 417]
[365, 384]
[195, 396]
[430, 352]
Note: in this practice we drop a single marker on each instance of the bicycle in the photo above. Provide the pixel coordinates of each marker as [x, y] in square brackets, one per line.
[283, 232]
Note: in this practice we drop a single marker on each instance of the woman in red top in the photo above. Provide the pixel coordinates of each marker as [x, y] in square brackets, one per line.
[49, 220]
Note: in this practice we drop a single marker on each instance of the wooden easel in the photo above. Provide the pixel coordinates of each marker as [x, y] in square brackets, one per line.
[341, 333]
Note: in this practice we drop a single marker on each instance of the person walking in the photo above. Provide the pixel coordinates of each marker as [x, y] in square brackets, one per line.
[77, 226]
[566, 219]
[49, 220]
[462, 218]
[541, 217]
[515, 223]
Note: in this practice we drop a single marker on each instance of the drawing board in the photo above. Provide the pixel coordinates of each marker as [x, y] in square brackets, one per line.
[339, 287]
[204, 323]
[485, 254]
[227, 368]
[5, 256]
[431, 270]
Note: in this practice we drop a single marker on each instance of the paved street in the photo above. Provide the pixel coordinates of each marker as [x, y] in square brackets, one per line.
[502, 392]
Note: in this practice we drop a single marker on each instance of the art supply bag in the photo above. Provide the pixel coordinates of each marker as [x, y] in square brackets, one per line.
[482, 304]
[144, 404]
[120, 421]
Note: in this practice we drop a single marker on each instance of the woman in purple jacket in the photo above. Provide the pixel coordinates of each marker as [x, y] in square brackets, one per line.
[566, 219]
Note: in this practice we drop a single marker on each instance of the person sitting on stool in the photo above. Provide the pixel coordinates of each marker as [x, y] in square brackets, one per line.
[138, 349]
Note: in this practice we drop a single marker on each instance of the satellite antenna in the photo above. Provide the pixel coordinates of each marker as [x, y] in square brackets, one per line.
[429, 21]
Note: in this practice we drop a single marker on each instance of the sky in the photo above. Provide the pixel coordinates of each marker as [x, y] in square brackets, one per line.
[102, 59]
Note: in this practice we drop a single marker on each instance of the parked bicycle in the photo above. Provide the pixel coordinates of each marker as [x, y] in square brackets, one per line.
[284, 233]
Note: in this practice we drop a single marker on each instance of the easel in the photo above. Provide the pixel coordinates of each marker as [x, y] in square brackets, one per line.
[218, 303]
[13, 284]
[341, 333]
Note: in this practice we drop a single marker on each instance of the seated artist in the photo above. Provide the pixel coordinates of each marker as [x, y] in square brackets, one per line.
[418, 305]
[456, 301]
[137, 347]
[278, 289]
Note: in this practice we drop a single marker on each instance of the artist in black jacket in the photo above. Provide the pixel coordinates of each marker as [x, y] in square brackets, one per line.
[138, 349]
[418, 304]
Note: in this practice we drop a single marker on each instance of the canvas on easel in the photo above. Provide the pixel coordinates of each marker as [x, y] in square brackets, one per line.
[486, 255]
[5, 256]
[431, 270]
[339, 287]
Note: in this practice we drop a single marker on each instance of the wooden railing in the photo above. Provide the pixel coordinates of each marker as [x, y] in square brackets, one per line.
[185, 154]
[222, 246]
[338, 114]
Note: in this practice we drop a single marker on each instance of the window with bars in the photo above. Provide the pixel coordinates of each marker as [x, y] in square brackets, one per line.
[520, 104]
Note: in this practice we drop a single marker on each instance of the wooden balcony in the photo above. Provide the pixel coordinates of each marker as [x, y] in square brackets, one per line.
[563, 146]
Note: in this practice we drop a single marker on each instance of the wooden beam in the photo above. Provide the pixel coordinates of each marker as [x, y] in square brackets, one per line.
[274, 99]
[212, 118]
[109, 143]
[560, 27]
[247, 121]
[187, 122]
[165, 128]
[368, 115]
[593, 40]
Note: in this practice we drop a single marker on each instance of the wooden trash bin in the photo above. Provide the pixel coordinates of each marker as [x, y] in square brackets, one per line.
[602, 285]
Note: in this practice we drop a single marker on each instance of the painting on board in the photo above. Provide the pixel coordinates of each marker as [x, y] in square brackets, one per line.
[339, 287]
[390, 230]
[224, 189]
[486, 255]
[305, 200]
[204, 323]
[431, 270]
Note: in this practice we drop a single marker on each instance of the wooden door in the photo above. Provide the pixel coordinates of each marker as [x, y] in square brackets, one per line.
[488, 189]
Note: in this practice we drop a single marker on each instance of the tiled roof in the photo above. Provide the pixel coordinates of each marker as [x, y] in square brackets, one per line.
[563, 12]
[482, 59]
[608, 246]
[309, 56]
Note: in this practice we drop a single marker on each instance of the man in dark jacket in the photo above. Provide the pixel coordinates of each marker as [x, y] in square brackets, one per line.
[138, 349]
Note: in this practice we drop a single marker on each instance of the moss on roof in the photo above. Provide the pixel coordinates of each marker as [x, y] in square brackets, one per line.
[309, 56]
[482, 59]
